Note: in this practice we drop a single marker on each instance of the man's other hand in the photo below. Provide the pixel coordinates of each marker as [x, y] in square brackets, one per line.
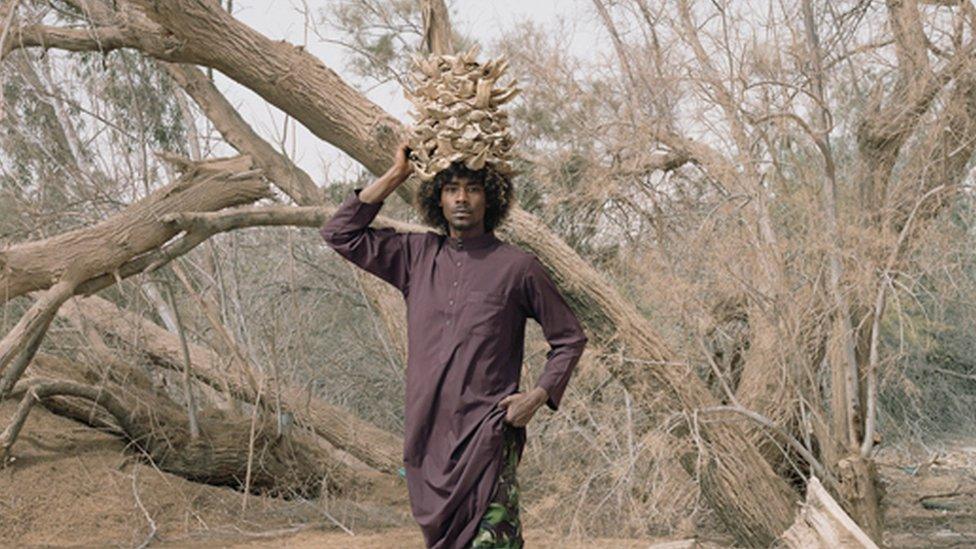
[401, 161]
[520, 407]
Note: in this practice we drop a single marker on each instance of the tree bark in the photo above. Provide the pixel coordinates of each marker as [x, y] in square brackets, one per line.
[289, 465]
[373, 446]
[437, 27]
[822, 524]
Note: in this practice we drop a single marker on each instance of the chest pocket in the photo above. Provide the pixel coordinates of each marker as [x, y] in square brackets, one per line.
[484, 312]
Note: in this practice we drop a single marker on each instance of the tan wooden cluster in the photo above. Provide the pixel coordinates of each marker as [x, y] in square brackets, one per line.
[456, 101]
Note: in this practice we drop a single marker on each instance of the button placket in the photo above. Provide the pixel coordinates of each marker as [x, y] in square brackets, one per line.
[452, 296]
[457, 278]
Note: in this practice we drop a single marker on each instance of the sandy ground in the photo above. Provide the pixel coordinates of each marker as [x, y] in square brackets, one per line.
[71, 486]
[410, 538]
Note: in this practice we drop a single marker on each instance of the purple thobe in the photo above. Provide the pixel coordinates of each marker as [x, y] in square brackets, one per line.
[467, 303]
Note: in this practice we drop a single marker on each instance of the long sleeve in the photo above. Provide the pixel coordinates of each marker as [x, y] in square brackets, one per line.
[382, 252]
[560, 327]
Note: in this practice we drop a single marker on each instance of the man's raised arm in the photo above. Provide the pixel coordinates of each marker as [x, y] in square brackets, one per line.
[382, 252]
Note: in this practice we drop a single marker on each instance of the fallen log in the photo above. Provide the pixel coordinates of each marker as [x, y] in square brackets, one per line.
[373, 446]
[66, 263]
[282, 463]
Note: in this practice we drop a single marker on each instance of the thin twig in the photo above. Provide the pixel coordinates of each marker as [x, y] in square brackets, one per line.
[152, 523]
[250, 443]
[870, 409]
[191, 405]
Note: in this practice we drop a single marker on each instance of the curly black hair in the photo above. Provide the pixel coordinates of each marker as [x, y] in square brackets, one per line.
[498, 195]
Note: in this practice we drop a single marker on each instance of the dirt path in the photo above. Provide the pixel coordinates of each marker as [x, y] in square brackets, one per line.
[930, 502]
[410, 538]
[71, 486]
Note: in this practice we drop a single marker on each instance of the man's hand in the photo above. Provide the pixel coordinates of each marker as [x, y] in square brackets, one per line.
[520, 407]
[378, 190]
[401, 162]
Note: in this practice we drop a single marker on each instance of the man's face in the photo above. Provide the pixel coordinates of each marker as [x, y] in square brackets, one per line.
[463, 204]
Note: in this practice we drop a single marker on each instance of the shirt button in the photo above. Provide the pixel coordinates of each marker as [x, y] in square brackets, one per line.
[451, 302]
[455, 283]
[458, 263]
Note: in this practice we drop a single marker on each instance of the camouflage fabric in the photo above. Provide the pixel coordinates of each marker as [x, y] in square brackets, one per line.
[500, 526]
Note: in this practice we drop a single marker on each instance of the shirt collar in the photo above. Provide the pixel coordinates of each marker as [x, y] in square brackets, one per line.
[473, 242]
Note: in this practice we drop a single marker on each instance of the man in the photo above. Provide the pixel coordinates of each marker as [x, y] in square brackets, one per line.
[468, 296]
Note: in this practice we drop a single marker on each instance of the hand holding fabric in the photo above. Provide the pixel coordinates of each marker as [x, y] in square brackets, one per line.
[520, 407]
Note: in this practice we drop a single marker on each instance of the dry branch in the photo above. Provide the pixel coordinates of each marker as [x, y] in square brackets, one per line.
[191, 407]
[88, 252]
[40, 389]
[437, 27]
[271, 216]
[19, 345]
[288, 177]
[43, 36]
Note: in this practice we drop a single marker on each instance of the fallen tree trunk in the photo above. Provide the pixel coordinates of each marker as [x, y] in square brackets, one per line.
[280, 463]
[375, 447]
[741, 487]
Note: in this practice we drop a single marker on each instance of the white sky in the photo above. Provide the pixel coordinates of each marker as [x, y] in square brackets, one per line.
[485, 20]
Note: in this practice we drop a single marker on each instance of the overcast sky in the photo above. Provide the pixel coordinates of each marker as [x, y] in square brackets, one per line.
[484, 20]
